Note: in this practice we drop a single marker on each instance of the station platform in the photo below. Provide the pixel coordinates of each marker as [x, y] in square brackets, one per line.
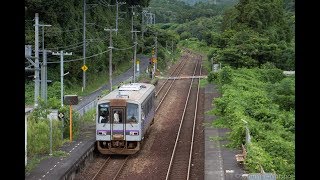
[56, 168]
[220, 162]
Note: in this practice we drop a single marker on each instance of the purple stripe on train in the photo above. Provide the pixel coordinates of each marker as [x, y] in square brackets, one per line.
[107, 132]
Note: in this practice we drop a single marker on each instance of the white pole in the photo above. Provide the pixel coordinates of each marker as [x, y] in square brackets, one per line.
[138, 68]
[61, 77]
[26, 138]
[50, 137]
[84, 45]
[61, 54]
[36, 55]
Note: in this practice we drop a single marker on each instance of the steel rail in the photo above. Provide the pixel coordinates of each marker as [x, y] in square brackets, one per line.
[194, 125]
[101, 168]
[169, 88]
[181, 122]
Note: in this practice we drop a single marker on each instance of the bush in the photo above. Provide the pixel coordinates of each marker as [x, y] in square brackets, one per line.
[263, 100]
[213, 76]
[39, 136]
[225, 76]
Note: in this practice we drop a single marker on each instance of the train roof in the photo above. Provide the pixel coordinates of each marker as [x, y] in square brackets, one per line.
[132, 92]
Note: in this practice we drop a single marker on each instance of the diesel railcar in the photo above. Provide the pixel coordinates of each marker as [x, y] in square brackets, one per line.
[123, 118]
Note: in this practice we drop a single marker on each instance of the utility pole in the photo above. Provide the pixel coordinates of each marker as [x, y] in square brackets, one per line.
[36, 55]
[84, 44]
[110, 56]
[132, 22]
[150, 18]
[212, 65]
[147, 18]
[135, 55]
[156, 54]
[44, 76]
[117, 14]
[61, 54]
[142, 23]
[25, 140]
[172, 46]
[166, 46]
[132, 18]
[44, 68]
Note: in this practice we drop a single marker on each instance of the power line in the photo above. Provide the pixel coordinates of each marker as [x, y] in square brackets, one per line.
[79, 58]
[47, 12]
[96, 40]
[99, 26]
[81, 45]
[67, 46]
[52, 31]
[150, 47]
[103, 3]
[123, 48]
[120, 49]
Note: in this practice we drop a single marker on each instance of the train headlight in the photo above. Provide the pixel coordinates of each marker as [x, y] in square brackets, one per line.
[102, 133]
[134, 133]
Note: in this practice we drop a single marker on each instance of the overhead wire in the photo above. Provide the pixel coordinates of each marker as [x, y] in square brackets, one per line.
[52, 62]
[75, 45]
[123, 48]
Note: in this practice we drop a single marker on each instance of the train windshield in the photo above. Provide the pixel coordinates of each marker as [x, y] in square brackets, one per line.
[132, 113]
[103, 110]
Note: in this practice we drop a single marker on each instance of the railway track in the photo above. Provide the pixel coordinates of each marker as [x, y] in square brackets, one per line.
[111, 168]
[181, 158]
[166, 86]
[165, 155]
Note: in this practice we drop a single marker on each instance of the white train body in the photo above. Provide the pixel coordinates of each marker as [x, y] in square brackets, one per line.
[123, 133]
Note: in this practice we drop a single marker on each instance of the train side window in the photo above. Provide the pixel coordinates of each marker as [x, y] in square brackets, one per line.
[143, 111]
[149, 104]
[132, 113]
[103, 110]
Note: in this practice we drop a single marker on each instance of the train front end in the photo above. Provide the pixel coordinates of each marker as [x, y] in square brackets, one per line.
[118, 130]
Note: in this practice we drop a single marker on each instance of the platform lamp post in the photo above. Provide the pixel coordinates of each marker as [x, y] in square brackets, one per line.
[70, 100]
[248, 137]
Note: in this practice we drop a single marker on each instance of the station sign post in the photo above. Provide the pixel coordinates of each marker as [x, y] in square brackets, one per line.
[71, 100]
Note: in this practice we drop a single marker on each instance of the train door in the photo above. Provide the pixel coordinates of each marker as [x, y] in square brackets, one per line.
[118, 127]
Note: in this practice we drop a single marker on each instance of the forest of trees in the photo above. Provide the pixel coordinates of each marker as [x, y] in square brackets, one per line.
[66, 33]
[246, 34]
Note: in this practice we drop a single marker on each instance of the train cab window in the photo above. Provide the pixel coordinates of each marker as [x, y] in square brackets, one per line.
[103, 113]
[117, 115]
[132, 113]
